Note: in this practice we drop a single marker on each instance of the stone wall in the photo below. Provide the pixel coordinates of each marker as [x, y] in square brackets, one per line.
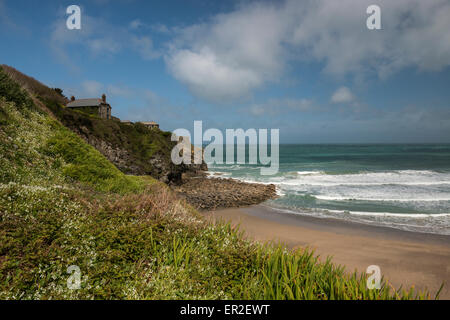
[104, 111]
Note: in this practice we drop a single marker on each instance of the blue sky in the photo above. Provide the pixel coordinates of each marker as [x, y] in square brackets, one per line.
[310, 68]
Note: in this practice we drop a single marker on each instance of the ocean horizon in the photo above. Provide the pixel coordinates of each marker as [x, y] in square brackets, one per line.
[400, 185]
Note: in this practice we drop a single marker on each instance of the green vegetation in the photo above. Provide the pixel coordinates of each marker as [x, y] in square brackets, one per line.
[62, 203]
[30, 84]
[37, 148]
[140, 143]
[85, 164]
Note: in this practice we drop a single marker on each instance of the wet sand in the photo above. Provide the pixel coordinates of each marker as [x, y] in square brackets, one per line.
[409, 258]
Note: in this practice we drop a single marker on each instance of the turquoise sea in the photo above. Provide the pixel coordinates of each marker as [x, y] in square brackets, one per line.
[404, 186]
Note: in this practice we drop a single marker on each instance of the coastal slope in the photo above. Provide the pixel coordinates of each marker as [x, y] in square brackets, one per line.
[65, 208]
[131, 147]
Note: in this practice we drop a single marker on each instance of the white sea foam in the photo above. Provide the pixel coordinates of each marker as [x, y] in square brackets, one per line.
[410, 198]
[393, 186]
[424, 191]
[325, 213]
[400, 177]
[416, 222]
[397, 215]
[308, 173]
[217, 174]
[398, 186]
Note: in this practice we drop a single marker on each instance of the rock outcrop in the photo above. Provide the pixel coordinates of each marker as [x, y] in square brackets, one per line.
[159, 165]
[212, 193]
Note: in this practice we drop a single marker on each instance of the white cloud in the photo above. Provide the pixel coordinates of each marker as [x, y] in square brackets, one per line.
[8, 22]
[139, 25]
[413, 35]
[342, 95]
[136, 24]
[207, 77]
[160, 28]
[120, 91]
[144, 46]
[234, 53]
[94, 33]
[91, 88]
[231, 55]
[100, 38]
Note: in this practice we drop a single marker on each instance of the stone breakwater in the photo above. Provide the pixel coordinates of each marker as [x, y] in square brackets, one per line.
[213, 193]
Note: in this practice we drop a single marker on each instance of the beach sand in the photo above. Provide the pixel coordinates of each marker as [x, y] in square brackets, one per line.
[409, 258]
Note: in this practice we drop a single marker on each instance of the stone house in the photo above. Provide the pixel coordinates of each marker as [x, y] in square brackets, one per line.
[92, 106]
[150, 124]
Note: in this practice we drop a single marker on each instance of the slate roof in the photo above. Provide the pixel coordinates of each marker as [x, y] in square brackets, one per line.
[148, 122]
[85, 103]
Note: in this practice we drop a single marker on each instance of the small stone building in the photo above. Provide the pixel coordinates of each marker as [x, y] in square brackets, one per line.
[92, 106]
[150, 124]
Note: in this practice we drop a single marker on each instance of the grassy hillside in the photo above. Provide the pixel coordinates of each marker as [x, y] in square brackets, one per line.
[138, 150]
[37, 149]
[62, 203]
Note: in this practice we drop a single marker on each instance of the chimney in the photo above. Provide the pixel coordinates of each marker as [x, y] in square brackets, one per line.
[104, 98]
[72, 98]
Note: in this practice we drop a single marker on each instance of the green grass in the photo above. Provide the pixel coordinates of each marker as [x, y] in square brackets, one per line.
[87, 165]
[300, 275]
[36, 147]
[136, 139]
[139, 142]
[62, 203]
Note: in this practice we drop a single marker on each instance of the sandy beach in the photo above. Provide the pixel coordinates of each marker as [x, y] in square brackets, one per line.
[412, 259]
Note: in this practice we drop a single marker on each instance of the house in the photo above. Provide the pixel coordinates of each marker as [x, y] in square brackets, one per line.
[93, 106]
[150, 124]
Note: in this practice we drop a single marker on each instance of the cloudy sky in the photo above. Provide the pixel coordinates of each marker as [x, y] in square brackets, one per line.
[310, 68]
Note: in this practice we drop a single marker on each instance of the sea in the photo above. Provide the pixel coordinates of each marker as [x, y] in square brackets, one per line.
[402, 186]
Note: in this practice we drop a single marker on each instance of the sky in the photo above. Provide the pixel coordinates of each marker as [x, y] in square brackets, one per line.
[311, 69]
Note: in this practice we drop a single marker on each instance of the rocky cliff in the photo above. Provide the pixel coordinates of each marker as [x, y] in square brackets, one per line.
[132, 148]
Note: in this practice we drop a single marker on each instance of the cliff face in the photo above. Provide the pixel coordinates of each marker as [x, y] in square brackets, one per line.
[132, 148]
[158, 165]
